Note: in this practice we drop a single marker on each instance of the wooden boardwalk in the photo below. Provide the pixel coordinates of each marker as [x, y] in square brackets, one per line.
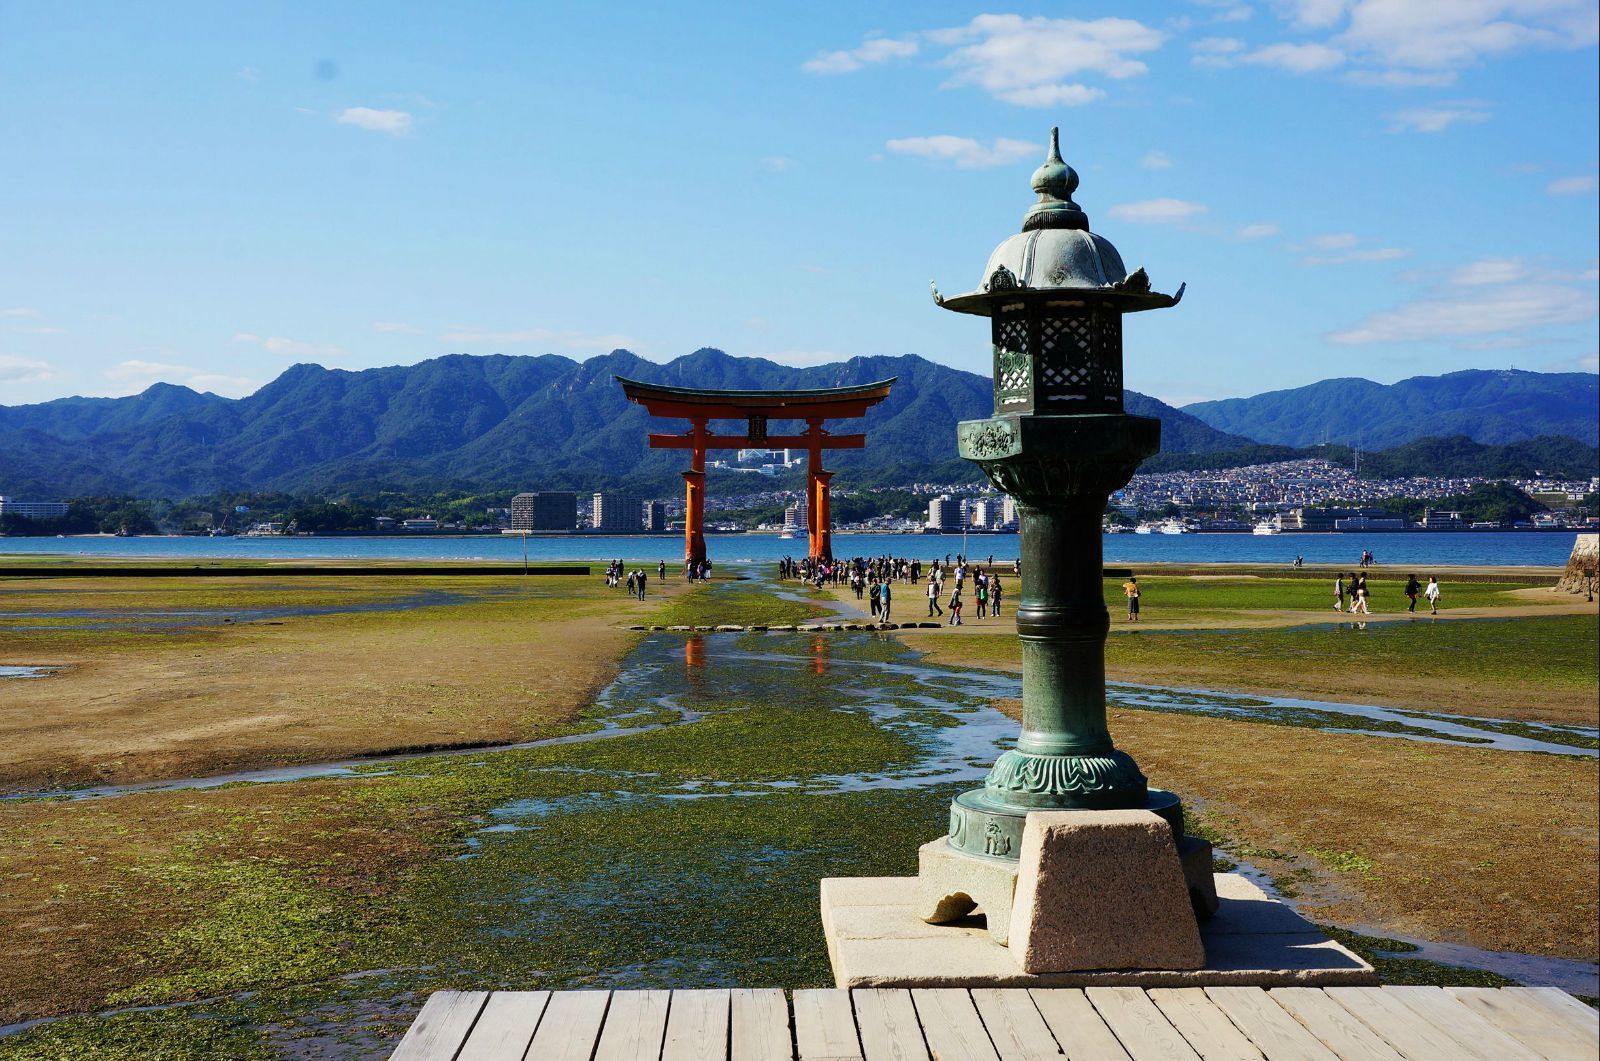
[1001, 1024]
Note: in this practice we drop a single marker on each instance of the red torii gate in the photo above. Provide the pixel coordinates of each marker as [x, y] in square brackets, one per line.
[755, 408]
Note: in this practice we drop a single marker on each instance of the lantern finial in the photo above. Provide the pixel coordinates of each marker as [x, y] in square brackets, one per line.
[1055, 181]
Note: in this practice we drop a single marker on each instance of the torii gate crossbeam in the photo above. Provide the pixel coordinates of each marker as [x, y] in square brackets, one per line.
[756, 408]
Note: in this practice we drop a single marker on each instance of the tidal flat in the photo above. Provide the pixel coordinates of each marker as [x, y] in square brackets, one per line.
[310, 918]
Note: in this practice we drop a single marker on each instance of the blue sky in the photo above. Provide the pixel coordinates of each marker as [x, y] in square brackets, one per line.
[207, 194]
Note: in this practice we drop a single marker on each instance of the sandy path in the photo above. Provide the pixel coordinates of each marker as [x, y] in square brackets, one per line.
[249, 695]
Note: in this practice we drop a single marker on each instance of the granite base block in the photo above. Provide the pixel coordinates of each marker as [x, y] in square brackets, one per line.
[877, 938]
[1102, 889]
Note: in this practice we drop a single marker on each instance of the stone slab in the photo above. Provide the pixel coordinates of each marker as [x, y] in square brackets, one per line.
[876, 938]
[1102, 889]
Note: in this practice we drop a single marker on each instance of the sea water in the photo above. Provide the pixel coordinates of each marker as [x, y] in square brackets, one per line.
[1419, 549]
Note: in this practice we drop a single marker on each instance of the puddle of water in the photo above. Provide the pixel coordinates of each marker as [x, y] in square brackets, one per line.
[24, 672]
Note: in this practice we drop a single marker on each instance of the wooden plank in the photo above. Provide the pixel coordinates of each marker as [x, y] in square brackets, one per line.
[1268, 1024]
[1577, 1015]
[1399, 1024]
[1336, 1027]
[759, 1019]
[441, 1027]
[570, 1026]
[697, 1026]
[1077, 1027]
[636, 1025]
[1142, 1030]
[951, 1025]
[1205, 1027]
[505, 1027]
[825, 1026]
[1525, 1021]
[887, 1021]
[1014, 1025]
[1486, 1041]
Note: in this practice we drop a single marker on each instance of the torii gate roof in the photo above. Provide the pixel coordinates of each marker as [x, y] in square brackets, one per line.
[824, 402]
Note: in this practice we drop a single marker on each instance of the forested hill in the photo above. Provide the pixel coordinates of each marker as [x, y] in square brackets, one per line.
[1485, 406]
[495, 422]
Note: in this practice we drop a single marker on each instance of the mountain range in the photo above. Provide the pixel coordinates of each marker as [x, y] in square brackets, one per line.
[1486, 406]
[548, 422]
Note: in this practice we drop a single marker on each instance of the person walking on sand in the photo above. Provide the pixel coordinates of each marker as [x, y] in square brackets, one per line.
[982, 594]
[1360, 595]
[1432, 593]
[885, 599]
[661, 571]
[1413, 587]
[874, 595]
[955, 608]
[994, 596]
[933, 598]
[643, 578]
[1338, 593]
[1130, 589]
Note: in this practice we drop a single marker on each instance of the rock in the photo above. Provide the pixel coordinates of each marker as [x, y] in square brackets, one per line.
[729, 628]
[681, 629]
[927, 626]
[952, 885]
[808, 627]
[638, 627]
[1102, 890]
[781, 629]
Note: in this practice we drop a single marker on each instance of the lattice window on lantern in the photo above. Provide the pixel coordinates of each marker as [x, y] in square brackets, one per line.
[1013, 375]
[1068, 358]
[1110, 355]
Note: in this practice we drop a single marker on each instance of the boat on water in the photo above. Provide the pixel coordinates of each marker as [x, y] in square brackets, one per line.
[1144, 528]
[1172, 526]
[1266, 526]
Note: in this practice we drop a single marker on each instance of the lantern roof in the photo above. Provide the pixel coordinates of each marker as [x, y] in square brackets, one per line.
[1056, 255]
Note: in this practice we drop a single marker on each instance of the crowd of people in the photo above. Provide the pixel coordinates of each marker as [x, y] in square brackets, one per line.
[872, 579]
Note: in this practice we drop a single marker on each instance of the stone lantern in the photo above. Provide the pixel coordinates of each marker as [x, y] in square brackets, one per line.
[1059, 443]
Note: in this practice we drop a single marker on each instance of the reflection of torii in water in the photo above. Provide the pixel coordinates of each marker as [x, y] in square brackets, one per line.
[756, 408]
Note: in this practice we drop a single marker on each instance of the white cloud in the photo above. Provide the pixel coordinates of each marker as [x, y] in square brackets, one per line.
[1029, 61]
[1437, 118]
[23, 370]
[1364, 254]
[570, 340]
[778, 163]
[131, 377]
[395, 328]
[1425, 43]
[395, 123]
[277, 344]
[1070, 95]
[18, 311]
[1217, 46]
[873, 50]
[1434, 35]
[1490, 271]
[1334, 240]
[1296, 58]
[1260, 230]
[1483, 300]
[1312, 14]
[1399, 78]
[1570, 185]
[1156, 160]
[1156, 211]
[964, 151]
